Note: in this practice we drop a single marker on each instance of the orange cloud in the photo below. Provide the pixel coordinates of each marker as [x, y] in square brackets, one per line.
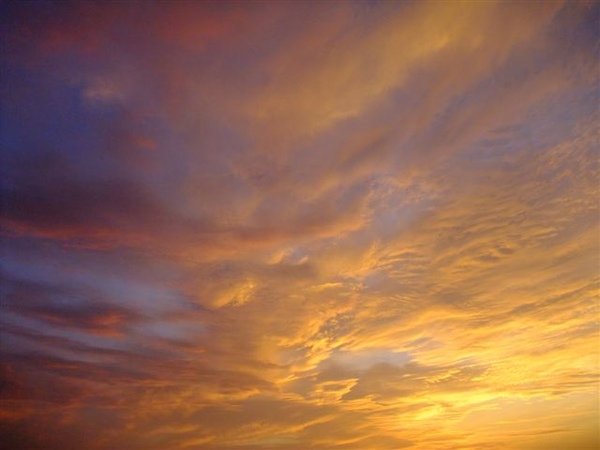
[337, 225]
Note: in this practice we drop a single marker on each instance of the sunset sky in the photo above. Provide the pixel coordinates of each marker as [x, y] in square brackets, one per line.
[299, 225]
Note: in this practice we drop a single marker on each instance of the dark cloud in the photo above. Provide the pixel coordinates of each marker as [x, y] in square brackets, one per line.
[66, 307]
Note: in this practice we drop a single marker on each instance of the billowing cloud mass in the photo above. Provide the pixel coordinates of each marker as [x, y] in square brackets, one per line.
[299, 225]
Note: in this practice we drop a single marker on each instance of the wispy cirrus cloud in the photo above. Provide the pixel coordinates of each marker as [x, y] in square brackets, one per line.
[291, 225]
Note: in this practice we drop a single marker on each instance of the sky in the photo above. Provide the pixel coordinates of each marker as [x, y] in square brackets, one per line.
[299, 225]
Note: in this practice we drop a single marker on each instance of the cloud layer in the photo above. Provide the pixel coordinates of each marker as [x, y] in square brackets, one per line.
[296, 225]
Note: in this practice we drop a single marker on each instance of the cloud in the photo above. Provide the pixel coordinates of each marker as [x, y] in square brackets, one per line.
[343, 225]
